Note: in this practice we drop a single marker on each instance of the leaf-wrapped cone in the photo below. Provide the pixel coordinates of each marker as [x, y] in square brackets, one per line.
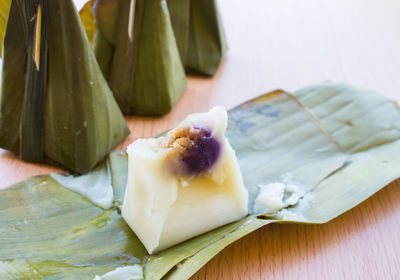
[136, 49]
[199, 34]
[81, 120]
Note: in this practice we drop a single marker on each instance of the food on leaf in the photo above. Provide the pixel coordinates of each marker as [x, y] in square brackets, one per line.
[185, 183]
[332, 157]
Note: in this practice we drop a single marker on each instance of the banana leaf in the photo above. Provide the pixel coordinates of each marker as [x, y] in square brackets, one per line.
[340, 143]
[199, 34]
[56, 107]
[136, 49]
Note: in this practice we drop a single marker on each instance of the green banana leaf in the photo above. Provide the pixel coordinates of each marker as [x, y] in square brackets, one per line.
[61, 111]
[341, 144]
[136, 49]
[199, 34]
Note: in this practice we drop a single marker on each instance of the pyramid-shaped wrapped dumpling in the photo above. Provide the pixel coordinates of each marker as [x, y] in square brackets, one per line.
[199, 34]
[56, 106]
[137, 51]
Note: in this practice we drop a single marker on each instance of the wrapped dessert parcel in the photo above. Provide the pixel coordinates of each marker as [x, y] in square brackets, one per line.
[136, 49]
[199, 34]
[185, 183]
[143, 48]
[56, 106]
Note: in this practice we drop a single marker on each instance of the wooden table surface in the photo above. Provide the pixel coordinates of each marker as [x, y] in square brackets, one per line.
[289, 44]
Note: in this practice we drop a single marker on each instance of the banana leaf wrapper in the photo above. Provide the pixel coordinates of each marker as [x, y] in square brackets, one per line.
[56, 107]
[324, 135]
[137, 52]
[199, 34]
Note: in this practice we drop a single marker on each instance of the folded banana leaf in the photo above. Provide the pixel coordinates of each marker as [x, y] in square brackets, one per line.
[339, 143]
[55, 106]
[136, 49]
[199, 34]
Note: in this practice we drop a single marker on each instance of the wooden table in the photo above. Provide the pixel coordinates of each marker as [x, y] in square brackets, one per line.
[290, 44]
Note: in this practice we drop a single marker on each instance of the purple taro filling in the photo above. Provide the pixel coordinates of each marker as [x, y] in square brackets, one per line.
[203, 153]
